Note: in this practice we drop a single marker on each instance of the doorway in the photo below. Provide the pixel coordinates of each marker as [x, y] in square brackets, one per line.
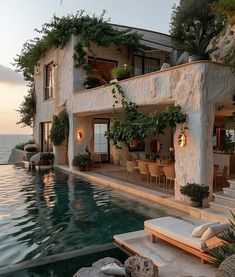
[101, 143]
[46, 145]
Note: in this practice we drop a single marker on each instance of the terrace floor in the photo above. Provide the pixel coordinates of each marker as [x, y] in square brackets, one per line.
[120, 173]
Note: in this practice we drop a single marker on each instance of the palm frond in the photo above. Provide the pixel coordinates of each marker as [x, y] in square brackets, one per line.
[220, 253]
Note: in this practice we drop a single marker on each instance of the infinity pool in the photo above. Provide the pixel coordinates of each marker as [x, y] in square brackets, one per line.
[49, 213]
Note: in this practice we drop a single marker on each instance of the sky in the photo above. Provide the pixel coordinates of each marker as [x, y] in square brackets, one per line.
[19, 18]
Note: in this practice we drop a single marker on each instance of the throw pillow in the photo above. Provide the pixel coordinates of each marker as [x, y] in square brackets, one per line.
[199, 230]
[214, 230]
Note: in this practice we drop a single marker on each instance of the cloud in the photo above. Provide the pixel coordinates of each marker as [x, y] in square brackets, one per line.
[9, 76]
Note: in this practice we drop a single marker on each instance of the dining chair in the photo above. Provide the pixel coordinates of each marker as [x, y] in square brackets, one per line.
[154, 171]
[144, 170]
[222, 176]
[132, 169]
[169, 172]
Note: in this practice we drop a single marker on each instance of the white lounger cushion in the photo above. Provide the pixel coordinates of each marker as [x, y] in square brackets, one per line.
[176, 229]
[214, 230]
[199, 230]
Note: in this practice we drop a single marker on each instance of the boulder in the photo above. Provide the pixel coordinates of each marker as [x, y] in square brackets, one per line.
[35, 158]
[227, 267]
[95, 269]
[137, 266]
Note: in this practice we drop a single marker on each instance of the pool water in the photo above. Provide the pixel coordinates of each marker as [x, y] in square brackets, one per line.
[45, 213]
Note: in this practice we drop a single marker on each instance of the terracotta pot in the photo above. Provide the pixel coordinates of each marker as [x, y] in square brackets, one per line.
[196, 204]
[198, 57]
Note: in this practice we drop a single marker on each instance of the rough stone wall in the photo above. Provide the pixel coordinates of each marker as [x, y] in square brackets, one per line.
[225, 42]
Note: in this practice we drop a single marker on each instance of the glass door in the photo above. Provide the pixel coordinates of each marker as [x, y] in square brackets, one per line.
[101, 143]
[46, 145]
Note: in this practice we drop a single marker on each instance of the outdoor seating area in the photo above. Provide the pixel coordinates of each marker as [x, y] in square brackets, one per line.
[160, 172]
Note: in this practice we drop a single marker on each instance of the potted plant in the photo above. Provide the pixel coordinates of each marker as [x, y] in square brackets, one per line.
[228, 145]
[122, 73]
[196, 193]
[30, 150]
[92, 81]
[46, 158]
[197, 47]
[82, 161]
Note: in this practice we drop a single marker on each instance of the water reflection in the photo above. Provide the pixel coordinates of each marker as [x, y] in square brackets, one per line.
[51, 212]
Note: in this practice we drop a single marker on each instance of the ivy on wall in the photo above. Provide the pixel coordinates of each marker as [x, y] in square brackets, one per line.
[57, 33]
[60, 128]
[131, 124]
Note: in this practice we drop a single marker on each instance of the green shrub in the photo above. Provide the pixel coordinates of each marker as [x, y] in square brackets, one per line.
[47, 156]
[31, 149]
[195, 192]
[82, 160]
[122, 73]
[92, 82]
[60, 128]
[21, 146]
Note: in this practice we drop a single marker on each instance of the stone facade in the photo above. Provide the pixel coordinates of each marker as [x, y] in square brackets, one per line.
[196, 87]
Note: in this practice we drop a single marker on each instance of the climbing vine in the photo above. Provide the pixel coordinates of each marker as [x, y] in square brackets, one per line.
[134, 125]
[60, 128]
[57, 33]
[27, 108]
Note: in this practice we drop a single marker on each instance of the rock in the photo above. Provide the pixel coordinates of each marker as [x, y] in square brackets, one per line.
[35, 158]
[16, 157]
[227, 267]
[225, 42]
[137, 266]
[94, 270]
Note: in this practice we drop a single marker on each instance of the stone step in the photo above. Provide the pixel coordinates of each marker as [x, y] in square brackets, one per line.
[224, 199]
[222, 208]
[229, 191]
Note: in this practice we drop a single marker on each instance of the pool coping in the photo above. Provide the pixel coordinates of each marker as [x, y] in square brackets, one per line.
[92, 249]
[147, 194]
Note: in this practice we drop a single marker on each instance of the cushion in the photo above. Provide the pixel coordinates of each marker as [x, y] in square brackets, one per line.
[214, 230]
[176, 229]
[113, 269]
[199, 230]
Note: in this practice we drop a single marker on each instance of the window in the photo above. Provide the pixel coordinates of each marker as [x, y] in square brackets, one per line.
[143, 65]
[102, 68]
[49, 81]
[101, 143]
[46, 145]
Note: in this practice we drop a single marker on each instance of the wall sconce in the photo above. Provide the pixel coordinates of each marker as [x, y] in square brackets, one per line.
[79, 135]
[182, 139]
[55, 65]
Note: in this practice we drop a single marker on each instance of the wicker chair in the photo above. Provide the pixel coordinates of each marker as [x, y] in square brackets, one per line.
[144, 170]
[154, 171]
[132, 169]
[169, 172]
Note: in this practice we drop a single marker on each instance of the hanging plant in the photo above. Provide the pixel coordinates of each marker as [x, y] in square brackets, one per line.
[132, 125]
[58, 32]
[60, 128]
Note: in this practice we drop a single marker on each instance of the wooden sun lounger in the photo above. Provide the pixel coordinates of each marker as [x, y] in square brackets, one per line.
[205, 257]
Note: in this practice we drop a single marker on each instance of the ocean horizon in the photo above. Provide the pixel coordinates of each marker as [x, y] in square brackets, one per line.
[8, 142]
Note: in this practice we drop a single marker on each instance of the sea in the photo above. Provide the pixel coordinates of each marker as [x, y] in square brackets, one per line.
[7, 142]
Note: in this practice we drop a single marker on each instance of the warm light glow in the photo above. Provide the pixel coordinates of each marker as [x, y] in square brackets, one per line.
[182, 139]
[79, 135]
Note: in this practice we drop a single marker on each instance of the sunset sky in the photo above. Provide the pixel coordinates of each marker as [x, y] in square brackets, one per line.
[19, 18]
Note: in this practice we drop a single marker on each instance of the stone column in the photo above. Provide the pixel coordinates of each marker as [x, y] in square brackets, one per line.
[194, 162]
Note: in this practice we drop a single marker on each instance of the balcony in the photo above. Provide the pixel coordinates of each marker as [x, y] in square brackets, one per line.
[183, 84]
